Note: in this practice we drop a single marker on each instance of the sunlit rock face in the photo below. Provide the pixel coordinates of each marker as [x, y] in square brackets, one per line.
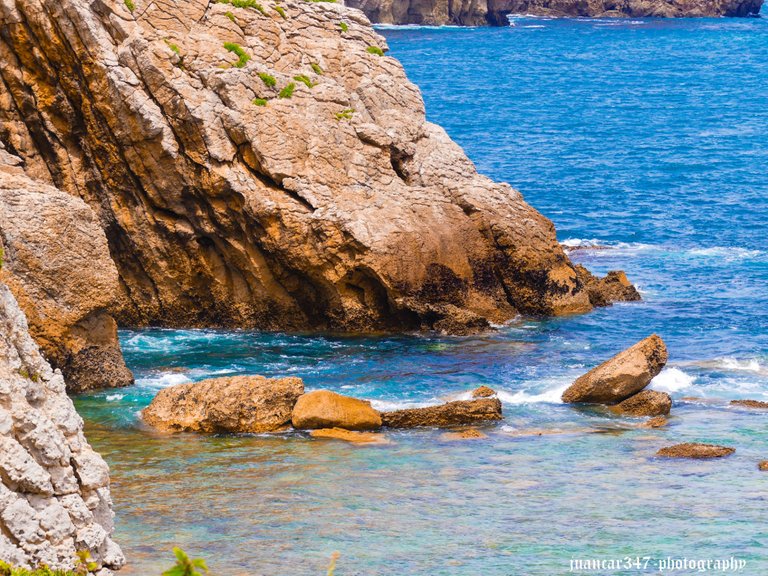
[266, 167]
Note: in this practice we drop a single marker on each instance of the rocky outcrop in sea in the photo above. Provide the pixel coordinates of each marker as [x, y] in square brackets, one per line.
[496, 12]
[268, 167]
[54, 489]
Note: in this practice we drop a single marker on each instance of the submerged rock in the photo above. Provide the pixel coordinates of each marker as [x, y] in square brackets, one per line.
[645, 403]
[54, 489]
[458, 413]
[245, 404]
[655, 422]
[763, 466]
[326, 409]
[759, 404]
[350, 436]
[57, 264]
[259, 171]
[483, 392]
[695, 450]
[495, 12]
[469, 434]
[622, 376]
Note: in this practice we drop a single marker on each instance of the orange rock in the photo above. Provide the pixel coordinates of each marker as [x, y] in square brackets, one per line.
[695, 450]
[656, 422]
[645, 403]
[483, 392]
[326, 409]
[350, 436]
[469, 434]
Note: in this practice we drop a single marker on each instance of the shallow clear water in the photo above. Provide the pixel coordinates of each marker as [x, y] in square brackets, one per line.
[648, 137]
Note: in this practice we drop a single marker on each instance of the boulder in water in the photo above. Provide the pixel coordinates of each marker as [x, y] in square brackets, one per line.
[695, 450]
[622, 376]
[763, 466]
[645, 403]
[350, 436]
[246, 404]
[759, 404]
[655, 422]
[483, 392]
[458, 413]
[326, 409]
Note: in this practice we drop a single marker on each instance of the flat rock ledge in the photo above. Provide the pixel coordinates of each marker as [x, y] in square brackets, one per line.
[350, 436]
[645, 403]
[695, 450]
[458, 413]
[759, 404]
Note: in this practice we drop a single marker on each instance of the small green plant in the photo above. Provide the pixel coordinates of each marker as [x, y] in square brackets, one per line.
[375, 50]
[230, 15]
[260, 101]
[85, 564]
[268, 79]
[287, 91]
[2, 257]
[130, 5]
[260, 8]
[280, 10]
[237, 50]
[304, 80]
[345, 114]
[316, 68]
[174, 47]
[185, 566]
[344, 26]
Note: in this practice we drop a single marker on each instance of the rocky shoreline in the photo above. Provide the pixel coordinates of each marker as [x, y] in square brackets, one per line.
[496, 12]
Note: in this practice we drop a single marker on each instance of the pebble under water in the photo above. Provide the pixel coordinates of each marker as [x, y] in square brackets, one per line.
[646, 138]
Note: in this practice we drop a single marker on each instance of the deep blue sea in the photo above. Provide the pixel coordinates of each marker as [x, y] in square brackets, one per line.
[646, 138]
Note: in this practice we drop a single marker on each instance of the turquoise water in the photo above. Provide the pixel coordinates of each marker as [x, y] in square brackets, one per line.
[646, 137]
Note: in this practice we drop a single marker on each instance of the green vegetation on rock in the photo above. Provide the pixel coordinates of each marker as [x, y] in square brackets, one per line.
[280, 10]
[317, 69]
[375, 50]
[230, 16]
[345, 114]
[260, 101]
[344, 26]
[304, 80]
[130, 5]
[268, 79]
[287, 92]
[242, 56]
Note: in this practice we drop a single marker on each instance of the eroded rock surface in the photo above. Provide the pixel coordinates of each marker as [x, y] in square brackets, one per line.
[59, 268]
[458, 413]
[326, 409]
[246, 404]
[495, 12]
[622, 376]
[54, 489]
[695, 450]
[335, 206]
[645, 403]
[758, 404]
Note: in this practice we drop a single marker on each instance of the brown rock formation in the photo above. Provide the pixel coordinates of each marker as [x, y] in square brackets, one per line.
[336, 206]
[246, 404]
[458, 413]
[483, 392]
[54, 489]
[759, 404]
[326, 409]
[695, 450]
[58, 266]
[350, 436]
[614, 287]
[763, 466]
[645, 403]
[495, 12]
[622, 376]
[469, 434]
[655, 422]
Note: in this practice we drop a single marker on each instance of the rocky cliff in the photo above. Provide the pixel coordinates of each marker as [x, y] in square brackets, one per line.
[495, 12]
[265, 165]
[54, 489]
[58, 266]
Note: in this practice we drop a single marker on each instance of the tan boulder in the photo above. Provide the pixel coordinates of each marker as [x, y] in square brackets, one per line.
[57, 264]
[655, 422]
[326, 409]
[483, 392]
[469, 434]
[645, 403]
[763, 466]
[350, 436]
[458, 413]
[695, 450]
[622, 376]
[238, 404]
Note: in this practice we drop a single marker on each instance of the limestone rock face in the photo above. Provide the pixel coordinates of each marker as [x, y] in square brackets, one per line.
[326, 409]
[695, 450]
[54, 489]
[495, 12]
[245, 404]
[622, 376]
[58, 266]
[458, 413]
[645, 403]
[336, 206]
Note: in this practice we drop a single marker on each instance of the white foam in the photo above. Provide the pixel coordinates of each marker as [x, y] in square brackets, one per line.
[114, 397]
[165, 380]
[749, 365]
[672, 380]
[551, 396]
